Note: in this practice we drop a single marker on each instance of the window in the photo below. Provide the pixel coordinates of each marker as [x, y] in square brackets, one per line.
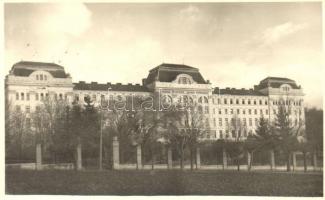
[220, 121]
[206, 100]
[200, 109]
[239, 133]
[243, 101]
[42, 96]
[244, 121]
[238, 111]
[17, 108]
[233, 122]
[37, 77]
[226, 111]
[27, 109]
[27, 96]
[60, 96]
[200, 100]
[36, 97]
[22, 96]
[41, 77]
[17, 96]
[213, 100]
[220, 111]
[220, 134]
[244, 112]
[237, 101]
[47, 95]
[261, 112]
[231, 111]
[274, 111]
[256, 122]
[255, 111]
[76, 97]
[249, 111]
[45, 77]
[207, 124]
[226, 120]
[225, 101]
[260, 102]
[206, 110]
[219, 101]
[249, 102]
[254, 102]
[230, 101]
[250, 122]
[265, 102]
[233, 133]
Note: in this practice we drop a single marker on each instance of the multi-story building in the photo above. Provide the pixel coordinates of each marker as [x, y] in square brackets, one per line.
[28, 83]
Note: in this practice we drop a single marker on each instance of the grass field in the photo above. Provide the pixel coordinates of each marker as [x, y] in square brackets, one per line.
[163, 183]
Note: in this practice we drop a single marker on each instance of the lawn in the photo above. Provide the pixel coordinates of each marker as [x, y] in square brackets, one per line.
[163, 183]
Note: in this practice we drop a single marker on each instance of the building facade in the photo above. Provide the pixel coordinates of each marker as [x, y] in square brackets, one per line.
[29, 83]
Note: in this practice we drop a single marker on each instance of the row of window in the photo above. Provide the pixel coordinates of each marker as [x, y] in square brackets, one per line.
[240, 102]
[238, 122]
[288, 102]
[39, 96]
[41, 77]
[240, 111]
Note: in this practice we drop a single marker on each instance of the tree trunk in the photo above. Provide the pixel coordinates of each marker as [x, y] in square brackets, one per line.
[182, 159]
[191, 155]
[152, 159]
[252, 159]
[305, 161]
[288, 162]
[238, 164]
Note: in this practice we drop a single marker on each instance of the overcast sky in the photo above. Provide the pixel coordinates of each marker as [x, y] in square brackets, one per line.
[233, 44]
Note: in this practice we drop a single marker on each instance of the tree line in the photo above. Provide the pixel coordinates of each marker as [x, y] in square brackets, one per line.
[61, 127]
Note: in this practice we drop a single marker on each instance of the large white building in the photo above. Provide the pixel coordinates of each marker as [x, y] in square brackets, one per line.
[28, 83]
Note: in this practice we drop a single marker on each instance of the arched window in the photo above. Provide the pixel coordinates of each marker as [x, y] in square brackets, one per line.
[206, 100]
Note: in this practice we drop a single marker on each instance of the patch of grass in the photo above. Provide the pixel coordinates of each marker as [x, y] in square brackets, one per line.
[163, 183]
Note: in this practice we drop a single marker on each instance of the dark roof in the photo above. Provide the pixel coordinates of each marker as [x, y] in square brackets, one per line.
[168, 72]
[276, 82]
[233, 91]
[114, 87]
[25, 68]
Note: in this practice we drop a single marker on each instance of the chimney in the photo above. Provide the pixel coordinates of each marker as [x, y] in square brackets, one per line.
[208, 81]
[144, 81]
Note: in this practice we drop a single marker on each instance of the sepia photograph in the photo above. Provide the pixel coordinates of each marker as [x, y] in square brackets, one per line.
[167, 98]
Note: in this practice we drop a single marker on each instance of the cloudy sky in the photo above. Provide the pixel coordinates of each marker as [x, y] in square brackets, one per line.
[233, 44]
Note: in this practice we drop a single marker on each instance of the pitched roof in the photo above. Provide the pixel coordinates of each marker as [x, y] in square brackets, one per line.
[168, 72]
[25, 68]
[234, 91]
[113, 87]
[276, 82]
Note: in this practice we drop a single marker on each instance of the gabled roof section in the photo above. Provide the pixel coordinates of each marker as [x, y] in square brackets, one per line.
[168, 72]
[276, 82]
[111, 87]
[25, 68]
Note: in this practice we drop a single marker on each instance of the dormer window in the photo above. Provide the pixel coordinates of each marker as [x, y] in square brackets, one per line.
[184, 80]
